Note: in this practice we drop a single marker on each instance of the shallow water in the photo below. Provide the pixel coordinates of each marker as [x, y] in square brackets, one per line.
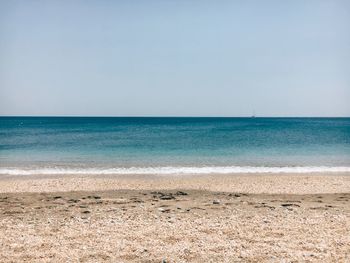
[173, 145]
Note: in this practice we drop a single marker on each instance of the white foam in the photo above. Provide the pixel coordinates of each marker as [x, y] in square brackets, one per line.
[168, 170]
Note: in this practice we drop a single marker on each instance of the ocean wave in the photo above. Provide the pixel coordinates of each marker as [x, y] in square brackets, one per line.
[172, 170]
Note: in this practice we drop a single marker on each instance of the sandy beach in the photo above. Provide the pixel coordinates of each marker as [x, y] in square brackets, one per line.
[207, 218]
[174, 131]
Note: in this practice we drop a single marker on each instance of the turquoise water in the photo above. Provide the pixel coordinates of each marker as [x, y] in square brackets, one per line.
[89, 144]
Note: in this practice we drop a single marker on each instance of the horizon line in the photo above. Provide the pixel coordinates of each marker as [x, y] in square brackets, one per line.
[160, 116]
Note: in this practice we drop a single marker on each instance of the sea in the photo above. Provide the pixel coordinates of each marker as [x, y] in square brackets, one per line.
[172, 145]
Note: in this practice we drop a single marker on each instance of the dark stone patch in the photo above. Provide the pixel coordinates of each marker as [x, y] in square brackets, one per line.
[93, 197]
[234, 195]
[166, 197]
[163, 196]
[180, 193]
[289, 205]
[164, 210]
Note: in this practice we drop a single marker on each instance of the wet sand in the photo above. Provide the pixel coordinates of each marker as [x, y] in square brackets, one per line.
[239, 218]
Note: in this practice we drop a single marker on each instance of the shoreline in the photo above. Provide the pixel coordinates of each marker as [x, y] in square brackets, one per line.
[169, 170]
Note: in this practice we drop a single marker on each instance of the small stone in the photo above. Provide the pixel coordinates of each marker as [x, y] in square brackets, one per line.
[216, 202]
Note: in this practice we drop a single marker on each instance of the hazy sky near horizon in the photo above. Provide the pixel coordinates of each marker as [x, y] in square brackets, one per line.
[175, 58]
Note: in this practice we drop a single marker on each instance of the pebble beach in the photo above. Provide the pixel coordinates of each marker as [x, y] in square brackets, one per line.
[207, 218]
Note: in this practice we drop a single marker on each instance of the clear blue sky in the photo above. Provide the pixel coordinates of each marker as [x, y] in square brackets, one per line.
[182, 58]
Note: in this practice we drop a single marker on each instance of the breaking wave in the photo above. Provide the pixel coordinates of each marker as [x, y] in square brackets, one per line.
[168, 170]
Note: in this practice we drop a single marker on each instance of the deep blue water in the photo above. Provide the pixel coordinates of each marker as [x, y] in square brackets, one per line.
[126, 142]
